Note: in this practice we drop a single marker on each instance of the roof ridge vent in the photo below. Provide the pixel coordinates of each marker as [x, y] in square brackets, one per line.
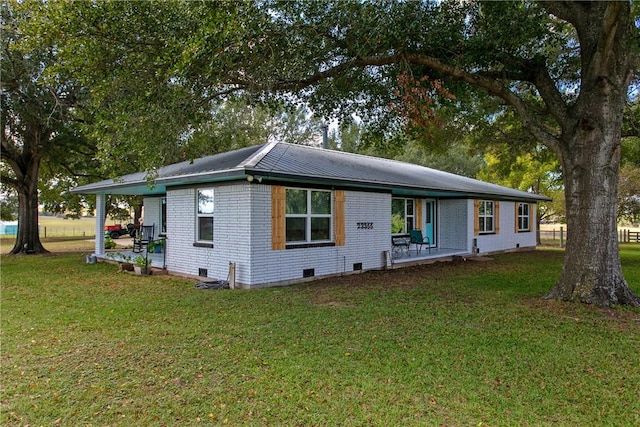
[259, 155]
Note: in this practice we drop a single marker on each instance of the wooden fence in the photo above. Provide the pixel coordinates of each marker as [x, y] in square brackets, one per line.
[559, 235]
[628, 236]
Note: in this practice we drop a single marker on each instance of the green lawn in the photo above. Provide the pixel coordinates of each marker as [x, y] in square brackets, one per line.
[56, 244]
[467, 343]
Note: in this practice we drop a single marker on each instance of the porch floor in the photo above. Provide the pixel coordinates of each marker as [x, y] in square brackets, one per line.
[403, 258]
[156, 260]
[424, 255]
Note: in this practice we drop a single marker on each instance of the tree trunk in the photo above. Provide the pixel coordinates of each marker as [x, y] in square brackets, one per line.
[28, 238]
[590, 154]
[592, 271]
[137, 212]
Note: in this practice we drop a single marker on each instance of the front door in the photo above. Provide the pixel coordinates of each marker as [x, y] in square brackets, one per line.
[430, 221]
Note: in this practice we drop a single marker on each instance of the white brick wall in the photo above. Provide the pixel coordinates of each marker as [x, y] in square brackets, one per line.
[507, 238]
[361, 245]
[153, 214]
[231, 233]
[242, 235]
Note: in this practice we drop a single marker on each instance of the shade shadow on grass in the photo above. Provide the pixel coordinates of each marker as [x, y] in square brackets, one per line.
[443, 344]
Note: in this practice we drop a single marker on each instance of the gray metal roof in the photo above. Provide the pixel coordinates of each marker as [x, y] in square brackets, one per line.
[288, 163]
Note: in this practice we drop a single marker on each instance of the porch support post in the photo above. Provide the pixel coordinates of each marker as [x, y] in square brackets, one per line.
[101, 206]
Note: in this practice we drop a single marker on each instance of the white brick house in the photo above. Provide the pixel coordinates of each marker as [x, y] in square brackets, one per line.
[281, 213]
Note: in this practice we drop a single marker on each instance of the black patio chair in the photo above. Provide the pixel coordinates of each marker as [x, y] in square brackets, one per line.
[142, 238]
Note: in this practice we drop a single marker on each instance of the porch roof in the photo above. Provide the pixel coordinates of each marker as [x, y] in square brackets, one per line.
[289, 163]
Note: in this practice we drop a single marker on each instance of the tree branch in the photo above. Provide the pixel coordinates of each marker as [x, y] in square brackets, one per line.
[496, 88]
[339, 69]
[72, 172]
[492, 85]
[8, 152]
[549, 92]
[569, 11]
[7, 180]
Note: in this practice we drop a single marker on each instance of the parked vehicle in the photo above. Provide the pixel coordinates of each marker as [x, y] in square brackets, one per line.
[115, 231]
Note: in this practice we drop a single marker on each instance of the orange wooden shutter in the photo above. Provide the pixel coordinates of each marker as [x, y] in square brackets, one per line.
[532, 216]
[278, 220]
[476, 217]
[496, 216]
[418, 224]
[338, 218]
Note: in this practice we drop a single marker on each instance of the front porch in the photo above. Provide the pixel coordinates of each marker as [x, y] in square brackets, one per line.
[156, 260]
[418, 257]
[395, 260]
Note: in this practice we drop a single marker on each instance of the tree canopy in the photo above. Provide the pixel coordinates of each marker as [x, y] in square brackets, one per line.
[37, 108]
[157, 69]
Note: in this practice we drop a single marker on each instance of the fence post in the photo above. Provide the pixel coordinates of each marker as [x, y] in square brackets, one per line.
[562, 237]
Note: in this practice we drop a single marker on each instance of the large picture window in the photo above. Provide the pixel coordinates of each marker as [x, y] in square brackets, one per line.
[308, 215]
[486, 216]
[524, 218]
[205, 215]
[402, 215]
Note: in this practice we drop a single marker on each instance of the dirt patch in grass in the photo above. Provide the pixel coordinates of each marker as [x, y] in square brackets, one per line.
[401, 278]
[625, 317]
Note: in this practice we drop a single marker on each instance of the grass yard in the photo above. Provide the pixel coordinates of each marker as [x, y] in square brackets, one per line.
[469, 343]
[55, 244]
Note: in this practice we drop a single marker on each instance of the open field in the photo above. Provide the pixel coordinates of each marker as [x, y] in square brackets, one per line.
[62, 235]
[52, 226]
[468, 343]
[65, 244]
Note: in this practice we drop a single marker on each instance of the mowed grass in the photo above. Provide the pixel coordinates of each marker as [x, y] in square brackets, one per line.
[55, 244]
[468, 343]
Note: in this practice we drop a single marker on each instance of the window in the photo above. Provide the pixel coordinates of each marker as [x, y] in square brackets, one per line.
[486, 216]
[402, 215]
[307, 216]
[205, 216]
[523, 217]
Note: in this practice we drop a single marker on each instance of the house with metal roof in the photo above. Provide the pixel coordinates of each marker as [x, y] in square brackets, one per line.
[280, 213]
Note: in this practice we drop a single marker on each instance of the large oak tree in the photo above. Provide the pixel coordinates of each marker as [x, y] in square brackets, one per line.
[563, 67]
[36, 123]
